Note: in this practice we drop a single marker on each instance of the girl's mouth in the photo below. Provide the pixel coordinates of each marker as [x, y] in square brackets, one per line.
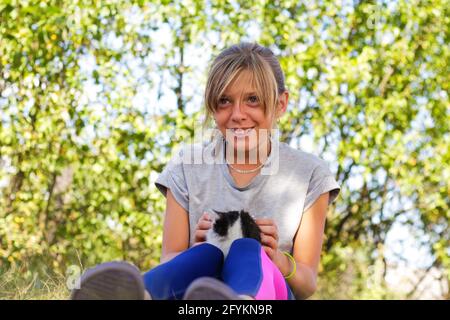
[242, 132]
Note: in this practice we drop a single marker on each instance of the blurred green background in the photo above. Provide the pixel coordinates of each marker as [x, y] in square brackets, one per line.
[95, 96]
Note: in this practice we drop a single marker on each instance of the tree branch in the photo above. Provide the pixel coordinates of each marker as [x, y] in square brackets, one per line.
[421, 279]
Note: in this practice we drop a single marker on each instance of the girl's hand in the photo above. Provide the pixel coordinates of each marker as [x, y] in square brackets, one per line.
[203, 225]
[269, 240]
[269, 236]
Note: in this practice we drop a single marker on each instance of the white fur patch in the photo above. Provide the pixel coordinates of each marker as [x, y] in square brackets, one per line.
[224, 243]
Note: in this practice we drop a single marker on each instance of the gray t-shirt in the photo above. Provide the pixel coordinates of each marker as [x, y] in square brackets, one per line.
[290, 182]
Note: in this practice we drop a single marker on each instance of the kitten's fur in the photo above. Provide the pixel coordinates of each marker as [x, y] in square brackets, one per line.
[229, 226]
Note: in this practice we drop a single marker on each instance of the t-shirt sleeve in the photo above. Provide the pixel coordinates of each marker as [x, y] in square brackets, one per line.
[173, 178]
[322, 181]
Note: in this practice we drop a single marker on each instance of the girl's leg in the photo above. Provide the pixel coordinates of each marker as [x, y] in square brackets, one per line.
[249, 271]
[171, 279]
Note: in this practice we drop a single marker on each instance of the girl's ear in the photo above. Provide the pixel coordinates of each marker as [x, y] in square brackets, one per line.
[283, 103]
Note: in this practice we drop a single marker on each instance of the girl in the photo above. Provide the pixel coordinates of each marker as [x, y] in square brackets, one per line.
[244, 167]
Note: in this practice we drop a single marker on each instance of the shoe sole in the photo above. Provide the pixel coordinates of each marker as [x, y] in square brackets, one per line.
[111, 281]
[209, 289]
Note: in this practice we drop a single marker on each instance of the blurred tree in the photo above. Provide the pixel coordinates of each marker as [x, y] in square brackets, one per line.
[375, 76]
[76, 157]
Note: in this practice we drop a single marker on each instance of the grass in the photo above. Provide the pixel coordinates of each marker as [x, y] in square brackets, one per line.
[17, 285]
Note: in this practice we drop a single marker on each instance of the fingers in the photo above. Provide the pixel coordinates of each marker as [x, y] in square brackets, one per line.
[269, 241]
[268, 227]
[203, 225]
[269, 236]
[270, 231]
[200, 235]
[204, 222]
[264, 222]
[206, 216]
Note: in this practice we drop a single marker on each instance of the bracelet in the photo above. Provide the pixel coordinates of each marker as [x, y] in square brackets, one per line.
[294, 269]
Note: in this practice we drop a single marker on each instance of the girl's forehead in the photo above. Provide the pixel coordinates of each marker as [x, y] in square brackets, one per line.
[241, 85]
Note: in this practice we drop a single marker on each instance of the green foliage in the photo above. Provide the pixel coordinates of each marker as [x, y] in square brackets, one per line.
[71, 193]
[80, 147]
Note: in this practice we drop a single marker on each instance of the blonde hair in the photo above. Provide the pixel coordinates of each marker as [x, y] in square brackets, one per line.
[266, 73]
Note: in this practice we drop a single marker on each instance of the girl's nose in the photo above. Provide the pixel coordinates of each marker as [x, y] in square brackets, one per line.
[237, 114]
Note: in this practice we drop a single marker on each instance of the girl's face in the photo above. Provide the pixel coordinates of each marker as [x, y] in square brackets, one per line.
[240, 115]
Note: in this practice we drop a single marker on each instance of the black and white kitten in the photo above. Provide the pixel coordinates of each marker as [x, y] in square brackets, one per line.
[229, 226]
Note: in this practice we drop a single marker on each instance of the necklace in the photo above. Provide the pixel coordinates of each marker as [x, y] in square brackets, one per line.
[240, 170]
[246, 171]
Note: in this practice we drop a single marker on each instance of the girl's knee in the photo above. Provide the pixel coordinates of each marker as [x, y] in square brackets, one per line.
[245, 242]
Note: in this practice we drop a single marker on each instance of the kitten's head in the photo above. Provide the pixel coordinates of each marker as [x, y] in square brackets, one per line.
[232, 225]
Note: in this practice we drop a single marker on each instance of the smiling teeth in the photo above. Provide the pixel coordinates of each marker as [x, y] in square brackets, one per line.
[241, 132]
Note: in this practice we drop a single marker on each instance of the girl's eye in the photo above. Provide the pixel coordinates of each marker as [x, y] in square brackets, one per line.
[223, 101]
[253, 99]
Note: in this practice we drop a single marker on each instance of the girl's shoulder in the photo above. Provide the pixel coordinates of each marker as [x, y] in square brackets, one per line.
[293, 155]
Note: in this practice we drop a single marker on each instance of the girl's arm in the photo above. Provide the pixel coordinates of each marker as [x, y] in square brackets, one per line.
[175, 229]
[307, 249]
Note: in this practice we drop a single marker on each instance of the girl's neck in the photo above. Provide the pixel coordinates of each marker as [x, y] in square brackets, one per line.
[250, 158]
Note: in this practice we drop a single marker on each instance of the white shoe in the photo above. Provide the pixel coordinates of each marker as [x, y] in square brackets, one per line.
[111, 281]
[207, 288]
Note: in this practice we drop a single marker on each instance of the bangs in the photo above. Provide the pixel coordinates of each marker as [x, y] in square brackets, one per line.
[262, 80]
[264, 83]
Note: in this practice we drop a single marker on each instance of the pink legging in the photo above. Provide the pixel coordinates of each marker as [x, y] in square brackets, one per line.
[273, 285]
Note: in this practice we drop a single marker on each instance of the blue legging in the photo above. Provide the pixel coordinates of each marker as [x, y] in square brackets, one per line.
[242, 270]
